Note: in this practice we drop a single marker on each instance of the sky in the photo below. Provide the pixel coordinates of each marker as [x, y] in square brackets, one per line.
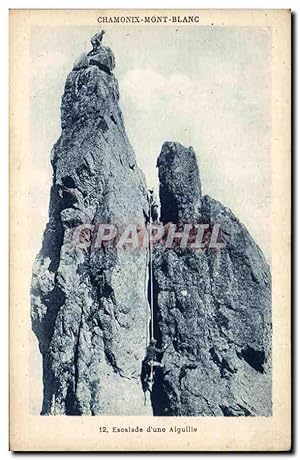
[208, 87]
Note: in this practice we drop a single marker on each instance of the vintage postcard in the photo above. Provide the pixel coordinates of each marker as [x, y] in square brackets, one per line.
[150, 162]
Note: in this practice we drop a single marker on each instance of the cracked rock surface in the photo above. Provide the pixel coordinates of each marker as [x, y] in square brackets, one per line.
[212, 307]
[89, 308]
[90, 311]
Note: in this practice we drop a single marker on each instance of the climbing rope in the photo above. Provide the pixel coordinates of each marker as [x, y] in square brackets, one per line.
[151, 377]
[146, 294]
[151, 272]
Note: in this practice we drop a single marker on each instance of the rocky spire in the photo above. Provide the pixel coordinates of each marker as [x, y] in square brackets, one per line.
[89, 306]
[212, 307]
[179, 182]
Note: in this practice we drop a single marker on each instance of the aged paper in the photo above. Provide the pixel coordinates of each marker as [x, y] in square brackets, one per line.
[173, 349]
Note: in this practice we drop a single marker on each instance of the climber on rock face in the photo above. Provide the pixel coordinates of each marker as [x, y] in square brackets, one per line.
[149, 364]
[152, 352]
[153, 206]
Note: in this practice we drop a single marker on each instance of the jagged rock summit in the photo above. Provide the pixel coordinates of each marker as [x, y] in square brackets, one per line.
[89, 307]
[179, 183]
[213, 308]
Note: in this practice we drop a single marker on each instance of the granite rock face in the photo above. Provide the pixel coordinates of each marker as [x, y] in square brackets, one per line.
[212, 307]
[90, 303]
[89, 306]
[179, 183]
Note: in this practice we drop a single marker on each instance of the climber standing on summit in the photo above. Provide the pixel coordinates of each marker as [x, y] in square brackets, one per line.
[97, 39]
